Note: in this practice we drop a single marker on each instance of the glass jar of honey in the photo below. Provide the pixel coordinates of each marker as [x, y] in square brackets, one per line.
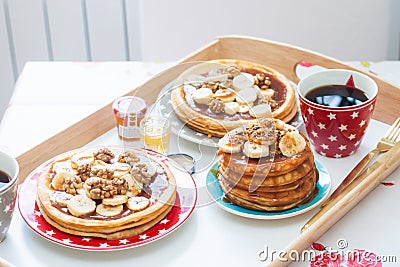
[129, 111]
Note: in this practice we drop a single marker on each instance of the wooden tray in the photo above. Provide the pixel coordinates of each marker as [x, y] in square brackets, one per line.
[281, 57]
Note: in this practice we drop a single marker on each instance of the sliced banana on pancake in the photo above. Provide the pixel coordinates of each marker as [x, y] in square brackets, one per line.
[242, 81]
[58, 180]
[115, 200]
[137, 203]
[246, 96]
[231, 108]
[203, 96]
[62, 198]
[63, 165]
[292, 143]
[226, 95]
[109, 211]
[82, 158]
[120, 169]
[80, 205]
[216, 78]
[268, 93]
[228, 144]
[253, 150]
[261, 111]
[244, 108]
[195, 78]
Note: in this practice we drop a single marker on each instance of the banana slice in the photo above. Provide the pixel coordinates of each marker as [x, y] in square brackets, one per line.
[203, 96]
[115, 200]
[58, 180]
[195, 78]
[268, 93]
[257, 90]
[120, 169]
[279, 124]
[290, 128]
[292, 143]
[62, 198]
[263, 136]
[260, 111]
[231, 108]
[81, 158]
[217, 78]
[81, 205]
[253, 150]
[226, 95]
[137, 203]
[242, 81]
[108, 211]
[244, 108]
[230, 144]
[134, 186]
[63, 165]
[81, 191]
[246, 96]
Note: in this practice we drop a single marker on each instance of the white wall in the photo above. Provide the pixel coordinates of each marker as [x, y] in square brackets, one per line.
[168, 30]
[346, 30]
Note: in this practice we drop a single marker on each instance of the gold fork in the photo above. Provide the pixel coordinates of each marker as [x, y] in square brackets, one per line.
[391, 137]
[389, 140]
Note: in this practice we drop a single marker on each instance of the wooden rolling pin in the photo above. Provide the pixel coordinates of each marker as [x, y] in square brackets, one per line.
[367, 182]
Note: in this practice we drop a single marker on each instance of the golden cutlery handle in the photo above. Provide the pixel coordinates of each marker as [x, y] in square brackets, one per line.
[356, 171]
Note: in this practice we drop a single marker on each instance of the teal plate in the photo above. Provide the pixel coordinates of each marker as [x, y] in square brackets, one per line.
[216, 193]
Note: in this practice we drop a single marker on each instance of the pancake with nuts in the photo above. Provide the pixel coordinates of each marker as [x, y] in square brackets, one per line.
[107, 193]
[266, 166]
[220, 95]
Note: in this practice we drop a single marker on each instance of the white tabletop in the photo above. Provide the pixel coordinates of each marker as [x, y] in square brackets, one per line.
[52, 96]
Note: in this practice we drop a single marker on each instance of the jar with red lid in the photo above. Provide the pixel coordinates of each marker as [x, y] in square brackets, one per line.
[129, 111]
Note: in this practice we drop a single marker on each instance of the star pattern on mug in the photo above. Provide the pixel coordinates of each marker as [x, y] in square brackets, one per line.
[336, 134]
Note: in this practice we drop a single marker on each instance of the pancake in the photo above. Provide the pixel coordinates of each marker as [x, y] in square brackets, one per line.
[266, 166]
[103, 192]
[227, 80]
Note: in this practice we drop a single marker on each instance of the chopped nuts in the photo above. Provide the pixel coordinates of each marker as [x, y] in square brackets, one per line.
[72, 183]
[232, 70]
[141, 173]
[84, 171]
[128, 157]
[103, 173]
[217, 105]
[99, 188]
[104, 154]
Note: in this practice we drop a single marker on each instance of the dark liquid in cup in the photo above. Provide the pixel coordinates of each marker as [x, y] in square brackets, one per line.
[4, 178]
[336, 95]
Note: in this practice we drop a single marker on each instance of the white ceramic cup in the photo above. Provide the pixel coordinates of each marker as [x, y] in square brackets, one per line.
[8, 192]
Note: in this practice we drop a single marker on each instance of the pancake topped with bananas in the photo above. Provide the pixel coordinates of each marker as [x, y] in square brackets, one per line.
[267, 166]
[217, 96]
[109, 193]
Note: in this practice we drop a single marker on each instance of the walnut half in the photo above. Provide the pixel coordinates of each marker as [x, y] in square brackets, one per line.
[100, 188]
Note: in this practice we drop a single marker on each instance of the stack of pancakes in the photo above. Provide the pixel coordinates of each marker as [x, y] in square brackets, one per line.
[144, 193]
[274, 182]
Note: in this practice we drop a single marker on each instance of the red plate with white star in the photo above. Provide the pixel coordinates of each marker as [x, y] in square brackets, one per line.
[183, 208]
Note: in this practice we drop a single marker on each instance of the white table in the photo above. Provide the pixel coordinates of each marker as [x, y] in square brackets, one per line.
[51, 96]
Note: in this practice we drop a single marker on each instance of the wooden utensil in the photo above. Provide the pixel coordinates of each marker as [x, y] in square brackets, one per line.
[349, 198]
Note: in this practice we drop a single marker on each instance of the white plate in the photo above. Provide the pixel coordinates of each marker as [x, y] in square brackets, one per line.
[164, 108]
[216, 193]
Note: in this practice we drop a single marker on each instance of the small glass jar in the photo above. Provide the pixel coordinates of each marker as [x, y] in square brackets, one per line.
[129, 112]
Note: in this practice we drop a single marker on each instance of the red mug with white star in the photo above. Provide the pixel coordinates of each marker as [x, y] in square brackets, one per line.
[9, 170]
[337, 106]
